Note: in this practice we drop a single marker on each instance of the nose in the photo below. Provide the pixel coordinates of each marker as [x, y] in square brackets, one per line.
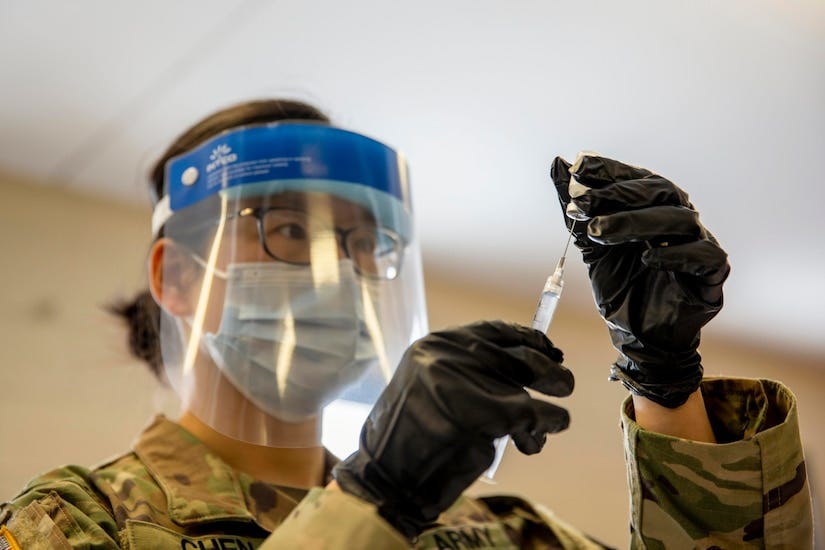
[340, 239]
[342, 251]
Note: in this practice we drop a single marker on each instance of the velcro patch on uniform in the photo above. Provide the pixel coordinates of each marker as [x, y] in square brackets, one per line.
[7, 541]
[465, 536]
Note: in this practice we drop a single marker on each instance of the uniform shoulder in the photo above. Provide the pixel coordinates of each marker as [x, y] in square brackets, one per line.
[63, 505]
[76, 485]
[70, 481]
[75, 482]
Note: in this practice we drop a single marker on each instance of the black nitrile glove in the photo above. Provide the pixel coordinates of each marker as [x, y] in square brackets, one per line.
[656, 272]
[431, 433]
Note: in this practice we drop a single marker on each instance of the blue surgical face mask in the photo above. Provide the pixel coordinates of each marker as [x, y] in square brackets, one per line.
[289, 342]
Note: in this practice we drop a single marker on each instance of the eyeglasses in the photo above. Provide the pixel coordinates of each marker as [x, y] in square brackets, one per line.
[287, 235]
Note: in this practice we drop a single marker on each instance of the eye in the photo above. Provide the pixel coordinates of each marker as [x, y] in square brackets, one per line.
[363, 244]
[292, 231]
[286, 225]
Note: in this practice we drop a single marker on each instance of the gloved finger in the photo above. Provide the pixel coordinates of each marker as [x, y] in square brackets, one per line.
[545, 418]
[531, 358]
[529, 443]
[504, 334]
[504, 368]
[593, 170]
[703, 259]
[629, 195]
[548, 377]
[498, 351]
[661, 225]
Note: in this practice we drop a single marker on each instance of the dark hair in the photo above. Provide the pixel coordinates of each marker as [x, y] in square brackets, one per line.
[142, 314]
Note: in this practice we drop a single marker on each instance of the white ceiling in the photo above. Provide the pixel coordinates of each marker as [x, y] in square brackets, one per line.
[725, 98]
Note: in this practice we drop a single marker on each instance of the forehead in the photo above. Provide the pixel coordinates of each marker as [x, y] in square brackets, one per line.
[313, 202]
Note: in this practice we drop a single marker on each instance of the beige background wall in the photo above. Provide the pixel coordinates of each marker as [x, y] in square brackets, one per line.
[69, 392]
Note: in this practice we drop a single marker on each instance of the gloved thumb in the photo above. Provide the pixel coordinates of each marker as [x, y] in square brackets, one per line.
[560, 174]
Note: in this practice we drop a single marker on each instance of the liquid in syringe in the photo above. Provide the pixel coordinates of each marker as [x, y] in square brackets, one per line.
[550, 294]
[549, 299]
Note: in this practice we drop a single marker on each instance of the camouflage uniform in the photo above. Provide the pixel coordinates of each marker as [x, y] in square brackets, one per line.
[171, 492]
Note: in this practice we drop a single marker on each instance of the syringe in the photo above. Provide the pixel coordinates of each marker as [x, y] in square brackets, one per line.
[548, 301]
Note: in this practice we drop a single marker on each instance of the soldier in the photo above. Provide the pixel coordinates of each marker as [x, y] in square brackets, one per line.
[285, 281]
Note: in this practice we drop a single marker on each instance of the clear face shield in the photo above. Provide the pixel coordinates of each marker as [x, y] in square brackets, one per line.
[291, 281]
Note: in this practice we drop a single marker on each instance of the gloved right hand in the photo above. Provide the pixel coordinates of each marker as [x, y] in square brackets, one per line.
[431, 433]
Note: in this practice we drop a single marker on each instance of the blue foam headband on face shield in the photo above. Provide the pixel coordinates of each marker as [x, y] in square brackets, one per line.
[277, 157]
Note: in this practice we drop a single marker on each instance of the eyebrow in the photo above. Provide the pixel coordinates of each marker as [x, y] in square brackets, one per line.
[289, 199]
[298, 200]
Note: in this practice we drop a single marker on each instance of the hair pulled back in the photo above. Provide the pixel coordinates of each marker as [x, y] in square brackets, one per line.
[142, 313]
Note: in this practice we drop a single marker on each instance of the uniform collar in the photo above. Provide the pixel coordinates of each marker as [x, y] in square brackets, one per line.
[199, 486]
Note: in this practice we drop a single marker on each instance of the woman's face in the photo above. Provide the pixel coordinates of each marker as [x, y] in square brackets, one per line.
[294, 227]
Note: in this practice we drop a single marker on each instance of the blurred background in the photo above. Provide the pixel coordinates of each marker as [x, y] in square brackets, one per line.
[727, 99]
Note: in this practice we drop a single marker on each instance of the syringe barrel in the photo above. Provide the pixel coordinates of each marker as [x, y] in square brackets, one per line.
[546, 307]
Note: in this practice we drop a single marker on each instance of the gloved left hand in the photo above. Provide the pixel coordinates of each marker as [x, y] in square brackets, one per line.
[656, 271]
[431, 433]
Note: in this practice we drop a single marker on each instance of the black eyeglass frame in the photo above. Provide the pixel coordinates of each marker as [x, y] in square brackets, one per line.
[343, 234]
